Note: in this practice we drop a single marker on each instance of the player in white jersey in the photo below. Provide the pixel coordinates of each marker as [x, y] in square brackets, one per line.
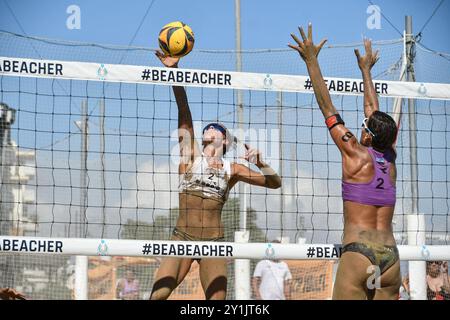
[205, 181]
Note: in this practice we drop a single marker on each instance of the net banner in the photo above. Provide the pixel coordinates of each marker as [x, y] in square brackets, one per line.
[211, 79]
[197, 249]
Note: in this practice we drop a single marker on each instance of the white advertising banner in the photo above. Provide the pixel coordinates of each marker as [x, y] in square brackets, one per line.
[211, 79]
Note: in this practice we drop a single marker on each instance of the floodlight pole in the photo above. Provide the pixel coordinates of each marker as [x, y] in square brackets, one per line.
[410, 77]
[416, 222]
[240, 116]
[241, 266]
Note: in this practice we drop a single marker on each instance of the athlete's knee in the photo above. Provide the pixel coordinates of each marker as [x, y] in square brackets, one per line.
[160, 294]
[217, 289]
[218, 295]
[162, 288]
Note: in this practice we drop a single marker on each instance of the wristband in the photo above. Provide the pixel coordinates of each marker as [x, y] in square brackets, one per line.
[333, 121]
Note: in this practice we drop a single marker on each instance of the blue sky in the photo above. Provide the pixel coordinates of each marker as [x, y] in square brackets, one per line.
[265, 24]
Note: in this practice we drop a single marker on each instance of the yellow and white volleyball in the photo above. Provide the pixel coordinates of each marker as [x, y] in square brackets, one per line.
[176, 39]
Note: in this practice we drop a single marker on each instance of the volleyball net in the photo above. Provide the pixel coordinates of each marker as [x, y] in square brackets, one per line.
[89, 161]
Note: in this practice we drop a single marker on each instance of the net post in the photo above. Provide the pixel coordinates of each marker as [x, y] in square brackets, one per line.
[102, 163]
[280, 155]
[416, 221]
[83, 127]
[242, 270]
[81, 262]
[417, 269]
[81, 278]
[242, 188]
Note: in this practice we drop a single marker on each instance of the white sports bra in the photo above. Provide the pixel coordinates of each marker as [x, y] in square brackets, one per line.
[206, 182]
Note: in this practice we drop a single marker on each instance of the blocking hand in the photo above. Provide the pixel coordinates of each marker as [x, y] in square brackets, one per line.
[306, 48]
[367, 61]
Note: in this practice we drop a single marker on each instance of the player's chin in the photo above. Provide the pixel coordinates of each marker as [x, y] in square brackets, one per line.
[364, 142]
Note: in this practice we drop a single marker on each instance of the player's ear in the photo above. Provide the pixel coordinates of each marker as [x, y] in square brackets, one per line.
[366, 138]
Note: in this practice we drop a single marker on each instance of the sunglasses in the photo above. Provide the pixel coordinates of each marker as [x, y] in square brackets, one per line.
[364, 125]
[215, 126]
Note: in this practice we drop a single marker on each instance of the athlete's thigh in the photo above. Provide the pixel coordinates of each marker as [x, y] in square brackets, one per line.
[169, 275]
[390, 282]
[172, 271]
[351, 277]
[213, 276]
[178, 267]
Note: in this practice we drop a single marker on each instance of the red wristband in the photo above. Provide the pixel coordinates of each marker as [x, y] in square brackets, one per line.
[333, 121]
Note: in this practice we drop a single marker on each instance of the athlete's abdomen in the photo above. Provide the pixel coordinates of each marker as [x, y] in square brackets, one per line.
[200, 216]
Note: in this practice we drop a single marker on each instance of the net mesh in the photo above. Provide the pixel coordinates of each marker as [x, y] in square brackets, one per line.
[125, 185]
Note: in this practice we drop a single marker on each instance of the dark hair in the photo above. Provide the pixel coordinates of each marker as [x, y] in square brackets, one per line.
[226, 133]
[384, 128]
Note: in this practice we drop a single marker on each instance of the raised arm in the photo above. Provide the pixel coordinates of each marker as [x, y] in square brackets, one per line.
[188, 146]
[365, 64]
[267, 177]
[343, 138]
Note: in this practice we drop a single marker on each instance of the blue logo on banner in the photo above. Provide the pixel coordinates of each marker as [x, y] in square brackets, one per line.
[270, 251]
[425, 252]
[268, 81]
[102, 72]
[102, 248]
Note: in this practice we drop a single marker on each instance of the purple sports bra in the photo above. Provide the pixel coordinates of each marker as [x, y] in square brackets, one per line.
[378, 192]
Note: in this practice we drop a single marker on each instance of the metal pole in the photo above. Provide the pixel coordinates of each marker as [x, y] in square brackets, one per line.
[240, 116]
[280, 157]
[241, 266]
[102, 162]
[238, 35]
[412, 115]
[83, 169]
[81, 262]
[3, 143]
[416, 228]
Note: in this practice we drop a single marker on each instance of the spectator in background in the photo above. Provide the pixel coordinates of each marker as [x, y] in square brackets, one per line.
[404, 289]
[271, 280]
[438, 284]
[128, 287]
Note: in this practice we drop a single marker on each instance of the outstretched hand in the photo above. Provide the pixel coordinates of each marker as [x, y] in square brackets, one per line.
[168, 61]
[252, 155]
[367, 61]
[306, 48]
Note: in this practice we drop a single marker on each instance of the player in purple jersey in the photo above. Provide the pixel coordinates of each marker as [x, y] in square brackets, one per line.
[369, 267]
